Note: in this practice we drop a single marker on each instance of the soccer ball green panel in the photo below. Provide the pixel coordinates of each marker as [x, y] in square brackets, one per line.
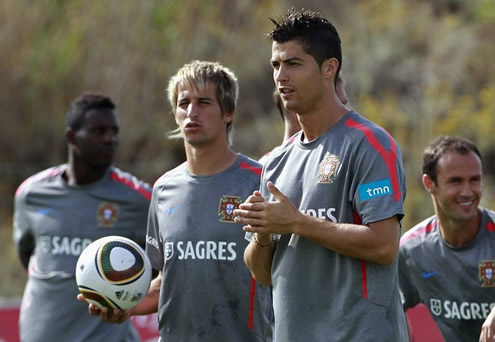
[114, 272]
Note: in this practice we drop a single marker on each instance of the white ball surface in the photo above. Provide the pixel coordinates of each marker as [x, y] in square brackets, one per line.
[121, 259]
[114, 272]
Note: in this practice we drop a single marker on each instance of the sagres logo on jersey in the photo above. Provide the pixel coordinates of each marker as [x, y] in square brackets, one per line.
[226, 207]
[487, 273]
[329, 167]
[435, 306]
[45, 244]
[107, 214]
[169, 250]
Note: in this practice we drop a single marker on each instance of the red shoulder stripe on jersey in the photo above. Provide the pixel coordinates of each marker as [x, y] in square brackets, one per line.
[36, 178]
[266, 154]
[252, 293]
[144, 192]
[389, 157]
[292, 138]
[254, 169]
[490, 226]
[421, 231]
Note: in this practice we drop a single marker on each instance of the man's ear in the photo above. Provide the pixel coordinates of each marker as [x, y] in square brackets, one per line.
[228, 117]
[329, 67]
[69, 135]
[428, 183]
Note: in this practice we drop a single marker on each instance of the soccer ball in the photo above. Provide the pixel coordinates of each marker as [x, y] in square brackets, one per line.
[113, 272]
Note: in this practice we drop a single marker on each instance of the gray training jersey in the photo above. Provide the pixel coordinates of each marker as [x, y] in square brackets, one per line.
[58, 221]
[351, 174]
[207, 291]
[456, 284]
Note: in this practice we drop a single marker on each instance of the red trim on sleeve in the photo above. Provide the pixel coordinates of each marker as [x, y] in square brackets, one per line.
[255, 169]
[123, 180]
[490, 226]
[357, 218]
[389, 157]
[252, 294]
[364, 283]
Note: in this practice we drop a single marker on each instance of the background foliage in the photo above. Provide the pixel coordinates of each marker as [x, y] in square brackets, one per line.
[419, 68]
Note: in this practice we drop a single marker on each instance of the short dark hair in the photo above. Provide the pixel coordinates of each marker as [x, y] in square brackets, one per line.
[83, 104]
[441, 145]
[318, 37]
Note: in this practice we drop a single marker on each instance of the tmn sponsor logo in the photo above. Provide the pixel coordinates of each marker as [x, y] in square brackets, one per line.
[375, 189]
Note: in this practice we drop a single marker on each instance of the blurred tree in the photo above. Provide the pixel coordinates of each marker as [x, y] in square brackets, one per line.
[419, 68]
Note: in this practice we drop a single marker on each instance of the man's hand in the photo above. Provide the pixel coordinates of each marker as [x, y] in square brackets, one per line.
[112, 316]
[488, 328]
[258, 216]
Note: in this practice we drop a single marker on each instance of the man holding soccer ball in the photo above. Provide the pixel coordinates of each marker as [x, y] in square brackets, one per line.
[204, 292]
[60, 211]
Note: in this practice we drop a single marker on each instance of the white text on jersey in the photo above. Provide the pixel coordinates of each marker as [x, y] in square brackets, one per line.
[204, 250]
[322, 213]
[464, 310]
[62, 245]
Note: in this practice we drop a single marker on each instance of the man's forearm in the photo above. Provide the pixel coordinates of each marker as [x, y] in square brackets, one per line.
[258, 257]
[149, 304]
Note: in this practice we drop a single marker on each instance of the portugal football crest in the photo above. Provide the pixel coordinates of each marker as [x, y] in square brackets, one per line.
[487, 273]
[107, 214]
[227, 206]
[329, 167]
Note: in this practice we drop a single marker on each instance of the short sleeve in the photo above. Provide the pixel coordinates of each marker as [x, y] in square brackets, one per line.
[23, 236]
[378, 189]
[154, 244]
[408, 293]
